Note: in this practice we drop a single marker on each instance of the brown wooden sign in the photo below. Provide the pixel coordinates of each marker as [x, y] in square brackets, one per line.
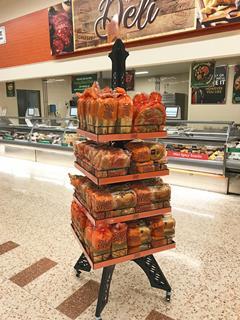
[82, 24]
[137, 19]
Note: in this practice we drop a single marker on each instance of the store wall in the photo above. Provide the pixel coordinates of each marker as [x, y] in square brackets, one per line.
[219, 112]
[176, 83]
[59, 93]
[11, 103]
[15, 8]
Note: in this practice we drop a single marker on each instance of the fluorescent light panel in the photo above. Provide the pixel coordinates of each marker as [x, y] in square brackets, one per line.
[141, 72]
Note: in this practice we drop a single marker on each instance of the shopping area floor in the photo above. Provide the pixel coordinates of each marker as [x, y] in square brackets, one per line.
[35, 233]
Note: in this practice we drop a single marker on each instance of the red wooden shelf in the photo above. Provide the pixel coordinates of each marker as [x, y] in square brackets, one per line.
[130, 177]
[129, 257]
[129, 217]
[121, 136]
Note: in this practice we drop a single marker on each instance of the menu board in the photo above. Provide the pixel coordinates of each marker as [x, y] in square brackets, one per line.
[213, 94]
[236, 85]
[82, 82]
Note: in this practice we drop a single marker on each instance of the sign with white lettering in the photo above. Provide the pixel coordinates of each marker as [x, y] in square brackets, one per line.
[82, 24]
[2, 35]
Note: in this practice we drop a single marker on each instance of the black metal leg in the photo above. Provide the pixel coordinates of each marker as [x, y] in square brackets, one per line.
[104, 290]
[82, 264]
[155, 275]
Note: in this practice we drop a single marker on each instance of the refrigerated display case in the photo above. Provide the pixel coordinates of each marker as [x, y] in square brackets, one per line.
[39, 138]
[232, 164]
[197, 150]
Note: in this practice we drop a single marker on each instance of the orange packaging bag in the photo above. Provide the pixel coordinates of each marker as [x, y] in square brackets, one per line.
[150, 116]
[125, 111]
[101, 243]
[106, 113]
[119, 240]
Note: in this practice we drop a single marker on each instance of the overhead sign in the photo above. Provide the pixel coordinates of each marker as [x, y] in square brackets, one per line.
[82, 24]
[3, 39]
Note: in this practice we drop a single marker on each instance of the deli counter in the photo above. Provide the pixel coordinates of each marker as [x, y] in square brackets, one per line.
[48, 140]
[201, 154]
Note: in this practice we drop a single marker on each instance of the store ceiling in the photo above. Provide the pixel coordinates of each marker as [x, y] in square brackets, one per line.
[161, 70]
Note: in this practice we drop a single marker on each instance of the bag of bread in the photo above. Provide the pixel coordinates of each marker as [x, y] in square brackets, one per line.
[169, 226]
[109, 158]
[81, 110]
[92, 106]
[139, 236]
[150, 117]
[156, 226]
[140, 152]
[142, 167]
[125, 111]
[88, 231]
[101, 243]
[106, 116]
[119, 240]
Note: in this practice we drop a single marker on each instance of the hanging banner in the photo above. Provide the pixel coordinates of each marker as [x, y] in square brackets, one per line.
[82, 24]
[236, 85]
[215, 94]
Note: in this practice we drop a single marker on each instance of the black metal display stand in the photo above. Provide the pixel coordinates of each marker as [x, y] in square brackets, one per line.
[148, 263]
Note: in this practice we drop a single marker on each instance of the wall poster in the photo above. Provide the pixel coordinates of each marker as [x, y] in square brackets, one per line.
[236, 85]
[82, 82]
[213, 94]
[82, 24]
[10, 89]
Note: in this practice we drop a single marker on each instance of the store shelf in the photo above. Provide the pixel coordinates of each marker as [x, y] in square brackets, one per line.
[129, 217]
[198, 140]
[122, 136]
[126, 178]
[36, 145]
[129, 257]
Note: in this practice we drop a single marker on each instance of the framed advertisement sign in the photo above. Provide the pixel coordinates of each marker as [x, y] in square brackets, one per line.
[82, 82]
[236, 85]
[10, 89]
[130, 80]
[202, 74]
[214, 94]
[77, 25]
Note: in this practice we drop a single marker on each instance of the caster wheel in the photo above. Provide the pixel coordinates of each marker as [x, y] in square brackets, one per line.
[168, 296]
[78, 274]
[98, 318]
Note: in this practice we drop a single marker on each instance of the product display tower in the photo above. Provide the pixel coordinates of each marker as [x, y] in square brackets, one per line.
[144, 259]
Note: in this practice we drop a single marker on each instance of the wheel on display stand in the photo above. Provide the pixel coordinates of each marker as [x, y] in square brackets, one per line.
[168, 296]
[98, 318]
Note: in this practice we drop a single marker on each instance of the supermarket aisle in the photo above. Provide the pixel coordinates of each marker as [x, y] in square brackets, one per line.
[38, 251]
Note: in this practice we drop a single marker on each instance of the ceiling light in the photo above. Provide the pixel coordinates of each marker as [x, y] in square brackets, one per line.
[141, 72]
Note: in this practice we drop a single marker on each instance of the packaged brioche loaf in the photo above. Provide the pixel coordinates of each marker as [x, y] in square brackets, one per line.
[101, 243]
[169, 226]
[142, 151]
[151, 190]
[106, 115]
[125, 111]
[156, 226]
[92, 106]
[81, 111]
[119, 240]
[139, 236]
[149, 113]
[142, 167]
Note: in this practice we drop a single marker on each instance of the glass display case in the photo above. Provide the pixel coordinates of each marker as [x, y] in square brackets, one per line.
[45, 133]
[198, 145]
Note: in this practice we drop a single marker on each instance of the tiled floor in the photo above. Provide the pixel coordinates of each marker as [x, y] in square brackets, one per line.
[204, 270]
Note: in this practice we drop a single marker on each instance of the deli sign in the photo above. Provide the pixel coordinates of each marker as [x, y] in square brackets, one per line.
[83, 24]
[134, 16]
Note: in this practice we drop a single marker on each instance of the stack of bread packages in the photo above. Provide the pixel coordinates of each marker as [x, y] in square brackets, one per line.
[113, 111]
[120, 219]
